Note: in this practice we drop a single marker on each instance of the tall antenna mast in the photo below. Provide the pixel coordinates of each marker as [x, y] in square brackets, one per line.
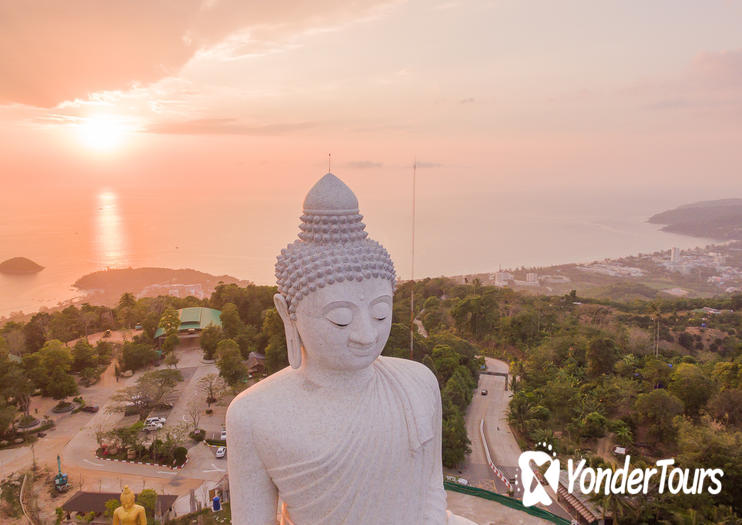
[329, 162]
[412, 271]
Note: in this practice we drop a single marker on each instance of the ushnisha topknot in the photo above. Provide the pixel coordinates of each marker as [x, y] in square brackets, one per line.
[332, 245]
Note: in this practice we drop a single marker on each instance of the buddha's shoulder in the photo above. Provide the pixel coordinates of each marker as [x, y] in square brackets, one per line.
[265, 396]
[412, 369]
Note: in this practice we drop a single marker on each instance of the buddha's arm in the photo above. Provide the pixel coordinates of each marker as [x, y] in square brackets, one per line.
[435, 506]
[254, 498]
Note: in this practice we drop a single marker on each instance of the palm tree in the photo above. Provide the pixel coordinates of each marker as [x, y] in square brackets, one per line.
[617, 505]
[685, 517]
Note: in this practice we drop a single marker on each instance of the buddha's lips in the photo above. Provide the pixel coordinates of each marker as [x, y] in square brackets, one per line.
[361, 351]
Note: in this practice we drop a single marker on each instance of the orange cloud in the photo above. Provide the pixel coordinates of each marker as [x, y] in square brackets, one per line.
[58, 51]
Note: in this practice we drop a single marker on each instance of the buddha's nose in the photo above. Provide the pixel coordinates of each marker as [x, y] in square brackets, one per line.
[363, 333]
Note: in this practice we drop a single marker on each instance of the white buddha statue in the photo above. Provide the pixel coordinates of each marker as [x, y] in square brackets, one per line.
[342, 436]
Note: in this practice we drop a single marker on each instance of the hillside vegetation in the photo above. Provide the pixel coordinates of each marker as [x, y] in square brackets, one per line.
[719, 219]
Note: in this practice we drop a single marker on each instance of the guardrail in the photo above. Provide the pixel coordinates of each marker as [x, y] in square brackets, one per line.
[505, 500]
[495, 470]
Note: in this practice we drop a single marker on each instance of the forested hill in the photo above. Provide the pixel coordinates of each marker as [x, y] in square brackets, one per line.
[719, 219]
[111, 284]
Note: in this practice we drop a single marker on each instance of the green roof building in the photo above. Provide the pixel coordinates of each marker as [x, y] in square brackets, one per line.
[194, 319]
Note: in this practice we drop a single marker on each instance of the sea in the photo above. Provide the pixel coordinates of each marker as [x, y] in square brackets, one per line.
[457, 232]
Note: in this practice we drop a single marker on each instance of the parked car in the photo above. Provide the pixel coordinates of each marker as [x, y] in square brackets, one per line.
[462, 481]
[224, 435]
[221, 452]
[484, 392]
[157, 420]
[151, 427]
[138, 327]
[90, 408]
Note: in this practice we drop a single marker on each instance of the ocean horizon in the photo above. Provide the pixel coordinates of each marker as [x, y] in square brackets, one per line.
[107, 228]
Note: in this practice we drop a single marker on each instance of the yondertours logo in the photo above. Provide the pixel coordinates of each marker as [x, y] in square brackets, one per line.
[623, 480]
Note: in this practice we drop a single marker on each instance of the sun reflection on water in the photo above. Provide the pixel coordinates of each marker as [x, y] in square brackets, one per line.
[110, 237]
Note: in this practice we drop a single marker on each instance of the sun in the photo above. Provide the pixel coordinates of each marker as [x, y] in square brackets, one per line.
[101, 133]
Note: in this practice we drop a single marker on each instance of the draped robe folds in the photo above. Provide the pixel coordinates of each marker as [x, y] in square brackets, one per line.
[381, 466]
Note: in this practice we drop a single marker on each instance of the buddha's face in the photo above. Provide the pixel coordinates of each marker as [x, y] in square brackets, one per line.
[344, 326]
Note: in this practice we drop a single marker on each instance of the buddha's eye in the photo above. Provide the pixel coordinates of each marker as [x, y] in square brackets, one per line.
[340, 316]
[380, 311]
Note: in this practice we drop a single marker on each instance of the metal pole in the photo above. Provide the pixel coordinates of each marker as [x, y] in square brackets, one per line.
[412, 271]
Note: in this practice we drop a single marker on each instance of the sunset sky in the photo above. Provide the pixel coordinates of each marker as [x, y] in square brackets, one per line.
[248, 98]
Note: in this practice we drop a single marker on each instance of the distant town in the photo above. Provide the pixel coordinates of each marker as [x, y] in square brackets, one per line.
[699, 272]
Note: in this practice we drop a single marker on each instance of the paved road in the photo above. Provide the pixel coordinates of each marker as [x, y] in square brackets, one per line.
[503, 447]
[74, 439]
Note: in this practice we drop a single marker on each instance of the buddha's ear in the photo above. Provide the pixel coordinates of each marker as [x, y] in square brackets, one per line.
[293, 342]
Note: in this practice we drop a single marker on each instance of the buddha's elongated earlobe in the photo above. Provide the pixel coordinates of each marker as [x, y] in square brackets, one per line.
[293, 341]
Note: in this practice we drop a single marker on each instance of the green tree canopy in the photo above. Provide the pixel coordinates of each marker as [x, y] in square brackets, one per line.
[229, 362]
[691, 386]
[209, 339]
[170, 321]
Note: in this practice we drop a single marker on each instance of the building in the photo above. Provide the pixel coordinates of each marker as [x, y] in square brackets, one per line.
[193, 320]
[503, 278]
[174, 290]
[675, 255]
[82, 503]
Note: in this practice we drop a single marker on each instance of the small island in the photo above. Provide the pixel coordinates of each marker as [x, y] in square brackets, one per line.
[718, 219]
[20, 266]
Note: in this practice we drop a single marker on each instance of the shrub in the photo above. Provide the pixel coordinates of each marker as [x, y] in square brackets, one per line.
[180, 454]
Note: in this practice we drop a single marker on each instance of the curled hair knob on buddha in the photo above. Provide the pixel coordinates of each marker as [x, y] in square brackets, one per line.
[332, 247]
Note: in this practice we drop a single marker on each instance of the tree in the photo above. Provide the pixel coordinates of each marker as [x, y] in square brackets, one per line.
[170, 342]
[454, 439]
[7, 416]
[60, 385]
[210, 337]
[87, 318]
[16, 386]
[137, 355]
[48, 369]
[172, 360]
[726, 406]
[691, 386]
[148, 499]
[232, 325]
[36, 330]
[229, 362]
[170, 321]
[125, 309]
[193, 412]
[213, 387]
[83, 356]
[657, 410]
[149, 391]
[601, 356]
[111, 506]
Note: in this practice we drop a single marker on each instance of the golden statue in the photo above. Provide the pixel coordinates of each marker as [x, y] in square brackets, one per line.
[129, 513]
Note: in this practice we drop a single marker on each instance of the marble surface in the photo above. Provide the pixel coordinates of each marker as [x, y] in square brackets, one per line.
[342, 436]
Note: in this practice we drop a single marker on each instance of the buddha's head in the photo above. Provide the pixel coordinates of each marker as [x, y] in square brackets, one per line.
[335, 285]
[127, 498]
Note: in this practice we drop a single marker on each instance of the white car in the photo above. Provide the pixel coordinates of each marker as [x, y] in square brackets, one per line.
[155, 420]
[221, 452]
[152, 426]
[224, 435]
